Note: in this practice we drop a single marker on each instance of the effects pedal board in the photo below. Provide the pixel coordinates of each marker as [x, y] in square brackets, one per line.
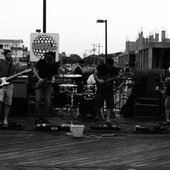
[12, 126]
[150, 129]
[48, 127]
[104, 127]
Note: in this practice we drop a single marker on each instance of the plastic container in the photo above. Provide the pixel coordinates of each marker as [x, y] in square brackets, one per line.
[77, 130]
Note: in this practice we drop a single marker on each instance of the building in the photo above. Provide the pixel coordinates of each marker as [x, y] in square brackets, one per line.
[147, 53]
[16, 46]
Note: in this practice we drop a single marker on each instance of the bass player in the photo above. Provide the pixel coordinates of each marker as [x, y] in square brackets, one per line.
[7, 68]
[45, 71]
[104, 75]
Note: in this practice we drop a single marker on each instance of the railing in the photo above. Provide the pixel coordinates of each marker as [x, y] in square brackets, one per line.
[122, 93]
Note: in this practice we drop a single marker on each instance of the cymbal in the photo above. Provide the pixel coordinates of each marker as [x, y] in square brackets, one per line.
[70, 76]
[67, 85]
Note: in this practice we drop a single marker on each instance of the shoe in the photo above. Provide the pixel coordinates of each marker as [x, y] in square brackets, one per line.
[95, 120]
[5, 124]
[108, 122]
[165, 123]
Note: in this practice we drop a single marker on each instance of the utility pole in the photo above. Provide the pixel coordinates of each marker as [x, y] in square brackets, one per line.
[99, 48]
[94, 49]
[86, 53]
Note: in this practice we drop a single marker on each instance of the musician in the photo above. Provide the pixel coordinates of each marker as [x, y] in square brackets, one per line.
[45, 71]
[167, 99]
[7, 68]
[80, 80]
[91, 80]
[104, 88]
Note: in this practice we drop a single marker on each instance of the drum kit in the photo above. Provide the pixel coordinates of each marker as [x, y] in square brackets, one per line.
[71, 89]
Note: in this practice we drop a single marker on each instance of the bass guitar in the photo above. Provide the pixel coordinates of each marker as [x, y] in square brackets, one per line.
[5, 80]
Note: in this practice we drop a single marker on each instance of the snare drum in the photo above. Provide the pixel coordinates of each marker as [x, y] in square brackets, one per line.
[68, 88]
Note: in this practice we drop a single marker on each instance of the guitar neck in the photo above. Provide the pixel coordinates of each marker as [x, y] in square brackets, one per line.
[15, 75]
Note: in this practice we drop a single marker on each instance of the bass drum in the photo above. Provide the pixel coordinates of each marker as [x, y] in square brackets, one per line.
[87, 107]
[89, 92]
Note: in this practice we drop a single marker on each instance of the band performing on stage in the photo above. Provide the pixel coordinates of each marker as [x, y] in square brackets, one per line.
[55, 88]
[97, 96]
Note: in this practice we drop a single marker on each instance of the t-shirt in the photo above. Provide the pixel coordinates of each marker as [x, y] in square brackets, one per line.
[4, 68]
[46, 70]
[78, 70]
[80, 80]
[91, 80]
[104, 70]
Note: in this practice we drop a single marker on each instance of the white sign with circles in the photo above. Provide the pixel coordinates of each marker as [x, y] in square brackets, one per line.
[43, 42]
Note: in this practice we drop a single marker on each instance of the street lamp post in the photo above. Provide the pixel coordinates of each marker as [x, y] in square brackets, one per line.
[104, 21]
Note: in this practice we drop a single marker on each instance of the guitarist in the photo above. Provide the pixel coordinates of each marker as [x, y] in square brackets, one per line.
[7, 68]
[102, 74]
[45, 71]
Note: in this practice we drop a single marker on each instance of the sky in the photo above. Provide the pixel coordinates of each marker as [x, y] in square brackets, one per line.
[75, 22]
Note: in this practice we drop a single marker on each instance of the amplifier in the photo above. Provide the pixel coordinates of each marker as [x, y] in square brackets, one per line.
[146, 110]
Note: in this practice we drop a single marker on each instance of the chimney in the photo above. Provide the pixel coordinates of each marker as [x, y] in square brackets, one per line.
[156, 37]
[150, 38]
[127, 45]
[163, 35]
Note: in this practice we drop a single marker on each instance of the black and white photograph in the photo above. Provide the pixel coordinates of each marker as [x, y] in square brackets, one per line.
[84, 85]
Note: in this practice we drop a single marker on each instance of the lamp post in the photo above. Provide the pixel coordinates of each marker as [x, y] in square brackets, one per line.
[104, 21]
[38, 30]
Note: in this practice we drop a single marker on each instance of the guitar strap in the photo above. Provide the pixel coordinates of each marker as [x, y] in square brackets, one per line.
[9, 70]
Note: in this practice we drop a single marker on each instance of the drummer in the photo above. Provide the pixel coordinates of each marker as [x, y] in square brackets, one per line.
[80, 80]
[91, 80]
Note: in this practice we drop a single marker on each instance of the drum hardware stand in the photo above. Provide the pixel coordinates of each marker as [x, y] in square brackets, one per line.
[69, 107]
[72, 93]
[103, 110]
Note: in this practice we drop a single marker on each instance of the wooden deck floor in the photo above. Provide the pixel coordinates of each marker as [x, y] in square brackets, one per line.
[32, 150]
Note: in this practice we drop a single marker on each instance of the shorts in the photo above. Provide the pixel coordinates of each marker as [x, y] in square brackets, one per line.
[102, 95]
[6, 94]
[167, 102]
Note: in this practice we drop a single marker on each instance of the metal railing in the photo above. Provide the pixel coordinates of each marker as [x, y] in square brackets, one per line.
[122, 93]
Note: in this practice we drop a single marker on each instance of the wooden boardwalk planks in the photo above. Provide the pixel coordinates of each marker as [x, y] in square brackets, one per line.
[42, 150]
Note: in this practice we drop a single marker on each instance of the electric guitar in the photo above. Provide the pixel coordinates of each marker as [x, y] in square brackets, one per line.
[42, 84]
[5, 80]
[107, 81]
